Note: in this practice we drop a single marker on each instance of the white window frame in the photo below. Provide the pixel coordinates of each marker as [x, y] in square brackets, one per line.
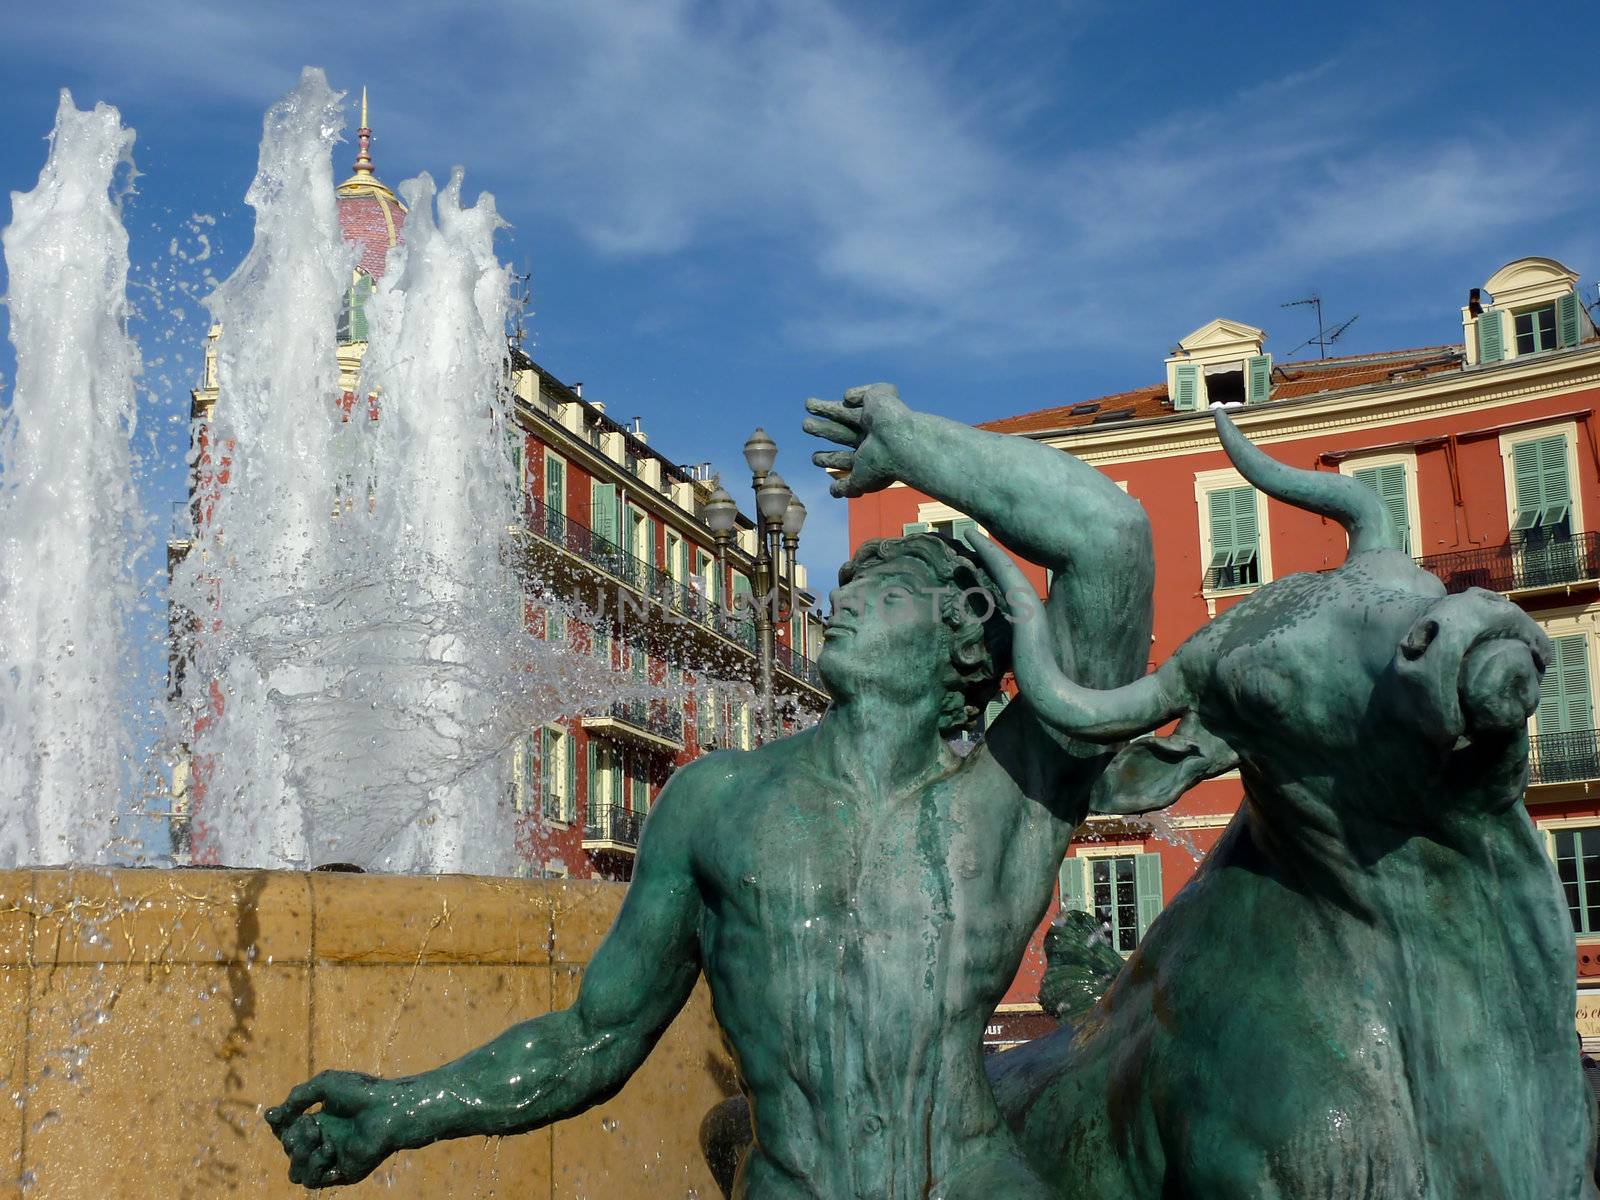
[1206, 482]
[1533, 433]
[1407, 460]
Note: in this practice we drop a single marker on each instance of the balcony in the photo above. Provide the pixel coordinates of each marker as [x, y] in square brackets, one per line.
[1564, 757]
[1529, 565]
[651, 582]
[651, 725]
[612, 827]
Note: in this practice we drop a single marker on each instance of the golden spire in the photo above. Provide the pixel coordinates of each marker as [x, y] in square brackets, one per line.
[363, 165]
[365, 181]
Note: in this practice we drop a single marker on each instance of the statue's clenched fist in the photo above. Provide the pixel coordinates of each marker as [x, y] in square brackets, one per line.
[346, 1138]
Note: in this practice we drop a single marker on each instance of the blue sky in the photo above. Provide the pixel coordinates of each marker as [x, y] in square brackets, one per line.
[726, 208]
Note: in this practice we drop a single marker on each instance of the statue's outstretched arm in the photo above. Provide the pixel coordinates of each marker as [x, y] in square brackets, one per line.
[1044, 504]
[538, 1071]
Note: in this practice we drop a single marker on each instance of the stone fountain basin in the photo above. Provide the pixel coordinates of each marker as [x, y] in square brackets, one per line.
[150, 1015]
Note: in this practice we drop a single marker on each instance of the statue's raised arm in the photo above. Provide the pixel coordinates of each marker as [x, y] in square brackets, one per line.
[1045, 505]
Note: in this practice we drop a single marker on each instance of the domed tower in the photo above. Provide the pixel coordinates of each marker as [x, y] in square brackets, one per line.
[372, 217]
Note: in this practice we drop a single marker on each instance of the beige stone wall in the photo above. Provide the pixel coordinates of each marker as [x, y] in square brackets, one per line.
[150, 1016]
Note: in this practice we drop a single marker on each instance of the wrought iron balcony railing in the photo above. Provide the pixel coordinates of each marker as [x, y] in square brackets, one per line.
[1513, 566]
[652, 717]
[651, 581]
[613, 823]
[1564, 757]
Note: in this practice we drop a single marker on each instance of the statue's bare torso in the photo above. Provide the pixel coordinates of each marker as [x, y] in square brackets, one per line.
[854, 951]
[857, 896]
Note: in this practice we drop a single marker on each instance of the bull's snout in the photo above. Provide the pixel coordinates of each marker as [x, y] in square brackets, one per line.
[1471, 664]
[1499, 685]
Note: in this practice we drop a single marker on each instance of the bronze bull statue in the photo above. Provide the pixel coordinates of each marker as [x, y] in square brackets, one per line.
[1366, 991]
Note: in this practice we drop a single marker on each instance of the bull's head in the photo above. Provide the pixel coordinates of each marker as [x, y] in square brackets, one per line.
[1347, 694]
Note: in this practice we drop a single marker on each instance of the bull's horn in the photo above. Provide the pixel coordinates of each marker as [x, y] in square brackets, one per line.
[1096, 716]
[1348, 501]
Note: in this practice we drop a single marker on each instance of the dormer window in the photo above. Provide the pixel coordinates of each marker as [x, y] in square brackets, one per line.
[1532, 306]
[1219, 363]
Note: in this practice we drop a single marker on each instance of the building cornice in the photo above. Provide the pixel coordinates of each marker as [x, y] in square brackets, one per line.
[1338, 413]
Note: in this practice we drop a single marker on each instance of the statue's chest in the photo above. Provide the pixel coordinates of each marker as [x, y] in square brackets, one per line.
[830, 869]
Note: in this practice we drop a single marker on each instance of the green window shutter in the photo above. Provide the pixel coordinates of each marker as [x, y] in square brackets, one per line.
[1233, 521]
[1491, 336]
[1186, 386]
[1074, 885]
[1147, 886]
[569, 802]
[1258, 378]
[1389, 481]
[1540, 482]
[1569, 327]
[1565, 702]
[1244, 522]
[741, 593]
[547, 766]
[603, 511]
[915, 527]
[555, 485]
[1553, 478]
[592, 782]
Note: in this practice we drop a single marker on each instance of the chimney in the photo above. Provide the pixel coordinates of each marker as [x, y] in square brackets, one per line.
[638, 431]
[577, 388]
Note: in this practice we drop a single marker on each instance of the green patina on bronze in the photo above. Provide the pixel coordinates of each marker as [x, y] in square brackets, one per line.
[1367, 989]
[858, 896]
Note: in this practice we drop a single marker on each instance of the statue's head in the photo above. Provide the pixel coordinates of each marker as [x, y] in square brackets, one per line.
[917, 613]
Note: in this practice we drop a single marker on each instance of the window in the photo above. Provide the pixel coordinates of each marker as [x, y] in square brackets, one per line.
[1536, 329]
[603, 515]
[705, 718]
[1235, 544]
[1566, 703]
[353, 313]
[992, 710]
[557, 784]
[555, 498]
[605, 781]
[638, 783]
[1122, 890]
[1389, 481]
[952, 527]
[1540, 490]
[600, 643]
[1578, 865]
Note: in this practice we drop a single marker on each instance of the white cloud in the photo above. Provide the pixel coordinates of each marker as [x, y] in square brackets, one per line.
[667, 127]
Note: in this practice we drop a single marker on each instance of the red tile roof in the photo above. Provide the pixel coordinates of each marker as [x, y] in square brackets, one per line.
[1290, 381]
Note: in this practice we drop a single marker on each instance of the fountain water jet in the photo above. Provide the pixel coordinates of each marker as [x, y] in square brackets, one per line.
[71, 528]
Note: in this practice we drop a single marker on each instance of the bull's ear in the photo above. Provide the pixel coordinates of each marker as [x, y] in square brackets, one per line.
[1153, 772]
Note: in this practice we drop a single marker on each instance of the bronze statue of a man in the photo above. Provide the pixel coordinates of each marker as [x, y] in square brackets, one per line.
[858, 895]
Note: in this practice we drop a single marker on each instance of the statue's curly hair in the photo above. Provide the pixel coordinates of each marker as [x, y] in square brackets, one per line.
[980, 646]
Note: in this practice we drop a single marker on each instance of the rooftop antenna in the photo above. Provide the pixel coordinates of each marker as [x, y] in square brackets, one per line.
[1325, 336]
[519, 302]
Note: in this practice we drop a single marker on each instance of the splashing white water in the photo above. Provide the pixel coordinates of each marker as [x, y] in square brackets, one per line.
[265, 487]
[71, 529]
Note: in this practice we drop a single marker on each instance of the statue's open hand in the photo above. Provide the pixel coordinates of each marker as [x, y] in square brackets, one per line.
[344, 1140]
[861, 421]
